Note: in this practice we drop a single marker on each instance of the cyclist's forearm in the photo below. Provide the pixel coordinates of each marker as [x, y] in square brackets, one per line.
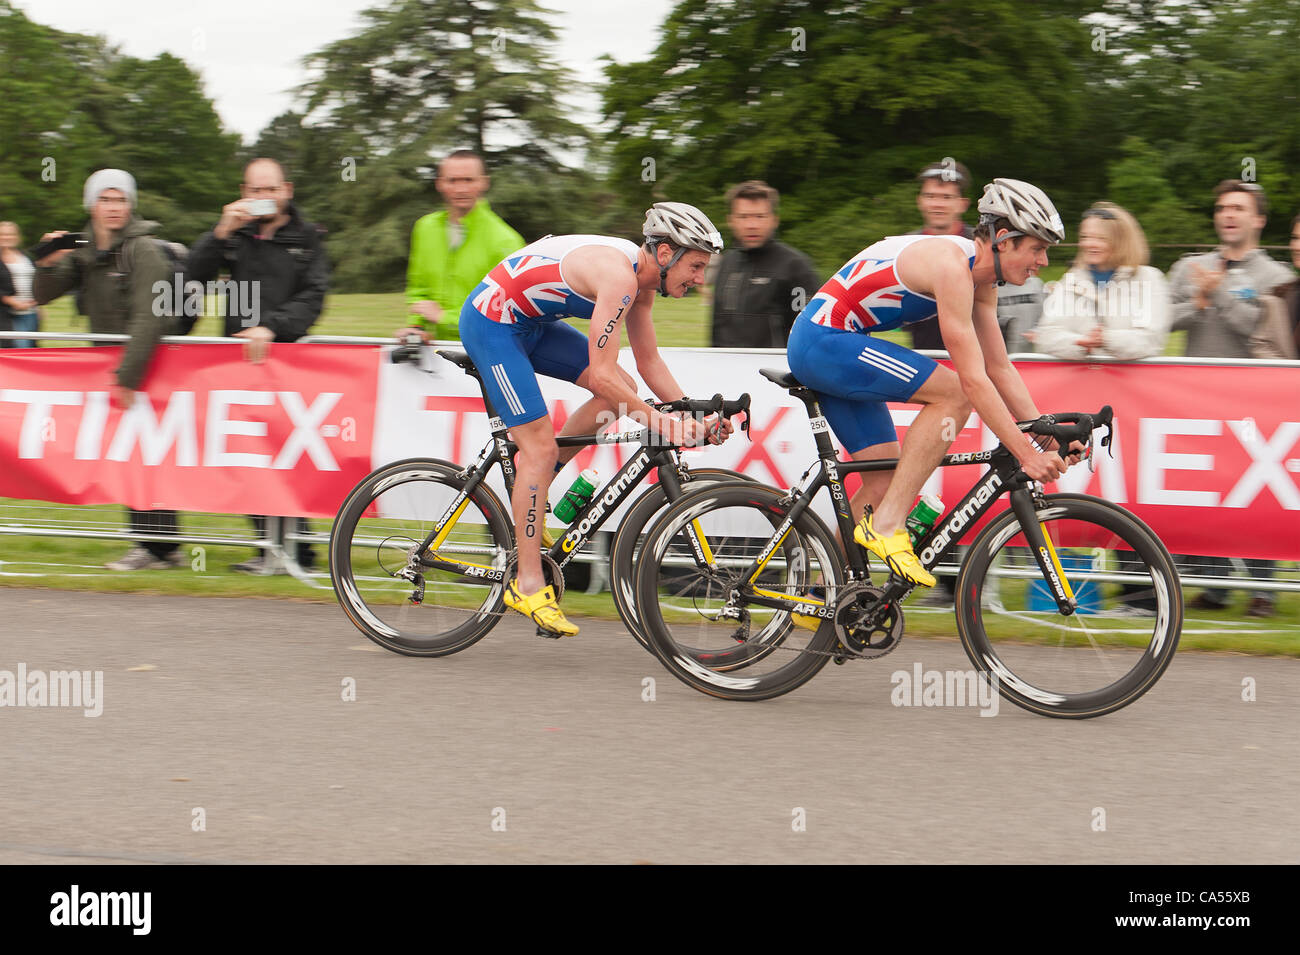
[1015, 395]
[993, 411]
[609, 385]
[659, 379]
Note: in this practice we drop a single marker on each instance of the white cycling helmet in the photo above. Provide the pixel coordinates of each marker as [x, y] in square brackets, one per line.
[1025, 206]
[681, 225]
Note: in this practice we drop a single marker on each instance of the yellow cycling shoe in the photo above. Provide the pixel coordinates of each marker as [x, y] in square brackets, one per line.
[542, 608]
[895, 550]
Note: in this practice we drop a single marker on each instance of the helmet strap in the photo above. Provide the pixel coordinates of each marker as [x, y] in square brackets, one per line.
[663, 269]
[997, 260]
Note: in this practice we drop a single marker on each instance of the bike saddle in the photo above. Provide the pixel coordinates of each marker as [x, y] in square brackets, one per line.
[785, 379]
[458, 358]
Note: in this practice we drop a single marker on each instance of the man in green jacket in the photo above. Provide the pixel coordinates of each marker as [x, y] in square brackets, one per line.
[116, 271]
[452, 250]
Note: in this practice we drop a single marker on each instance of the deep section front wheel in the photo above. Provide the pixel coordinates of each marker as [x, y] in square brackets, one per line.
[1125, 626]
[631, 536]
[695, 583]
[428, 602]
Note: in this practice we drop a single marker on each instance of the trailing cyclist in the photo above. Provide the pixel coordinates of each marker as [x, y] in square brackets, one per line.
[904, 279]
[511, 326]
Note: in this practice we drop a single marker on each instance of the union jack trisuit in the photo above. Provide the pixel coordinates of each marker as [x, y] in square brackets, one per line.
[511, 324]
[832, 351]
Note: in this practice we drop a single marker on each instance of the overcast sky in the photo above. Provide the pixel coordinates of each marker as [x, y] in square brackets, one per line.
[249, 51]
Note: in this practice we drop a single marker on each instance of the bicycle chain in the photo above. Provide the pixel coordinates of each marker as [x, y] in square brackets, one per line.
[843, 653]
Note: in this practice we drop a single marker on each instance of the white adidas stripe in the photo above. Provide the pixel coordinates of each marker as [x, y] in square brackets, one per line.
[870, 358]
[510, 390]
[507, 389]
[884, 359]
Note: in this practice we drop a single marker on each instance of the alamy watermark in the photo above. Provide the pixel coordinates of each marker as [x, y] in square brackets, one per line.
[75, 907]
[918, 687]
[174, 298]
[74, 688]
[1080, 297]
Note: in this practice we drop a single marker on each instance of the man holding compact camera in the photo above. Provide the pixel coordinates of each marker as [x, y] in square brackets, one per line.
[279, 274]
[114, 265]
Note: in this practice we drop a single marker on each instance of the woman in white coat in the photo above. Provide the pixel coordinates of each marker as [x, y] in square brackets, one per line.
[1111, 304]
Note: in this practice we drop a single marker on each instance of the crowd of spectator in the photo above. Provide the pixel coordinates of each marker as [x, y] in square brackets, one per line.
[1233, 302]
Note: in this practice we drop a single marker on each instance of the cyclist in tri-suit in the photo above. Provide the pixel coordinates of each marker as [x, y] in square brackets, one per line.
[511, 326]
[904, 279]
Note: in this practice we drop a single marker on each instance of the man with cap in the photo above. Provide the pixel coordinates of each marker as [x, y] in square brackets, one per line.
[115, 271]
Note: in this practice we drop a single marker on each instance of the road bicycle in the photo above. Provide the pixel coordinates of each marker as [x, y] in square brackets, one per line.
[422, 548]
[745, 594]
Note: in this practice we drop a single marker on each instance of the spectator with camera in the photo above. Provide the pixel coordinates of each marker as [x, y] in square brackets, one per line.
[1111, 303]
[115, 264]
[1218, 298]
[276, 261]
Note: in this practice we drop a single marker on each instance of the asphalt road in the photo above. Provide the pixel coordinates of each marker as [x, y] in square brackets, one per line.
[231, 714]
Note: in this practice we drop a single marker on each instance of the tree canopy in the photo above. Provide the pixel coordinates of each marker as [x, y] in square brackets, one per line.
[73, 104]
[836, 103]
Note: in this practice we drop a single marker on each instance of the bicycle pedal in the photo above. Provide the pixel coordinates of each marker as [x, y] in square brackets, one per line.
[548, 634]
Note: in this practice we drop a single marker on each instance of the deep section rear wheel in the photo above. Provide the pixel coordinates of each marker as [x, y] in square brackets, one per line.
[1107, 653]
[378, 528]
[697, 616]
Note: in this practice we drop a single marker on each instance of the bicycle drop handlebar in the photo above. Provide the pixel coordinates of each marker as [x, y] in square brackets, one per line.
[702, 407]
[1071, 426]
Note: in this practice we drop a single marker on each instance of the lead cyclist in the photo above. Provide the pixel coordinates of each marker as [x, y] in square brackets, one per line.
[511, 326]
[905, 279]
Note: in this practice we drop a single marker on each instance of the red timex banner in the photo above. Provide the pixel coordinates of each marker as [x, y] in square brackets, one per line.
[1209, 456]
[209, 432]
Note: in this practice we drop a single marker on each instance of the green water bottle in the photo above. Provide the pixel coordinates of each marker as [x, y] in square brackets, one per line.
[923, 516]
[577, 496]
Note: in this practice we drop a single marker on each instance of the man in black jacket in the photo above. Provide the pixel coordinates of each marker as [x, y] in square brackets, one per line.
[942, 200]
[763, 284]
[280, 256]
[279, 275]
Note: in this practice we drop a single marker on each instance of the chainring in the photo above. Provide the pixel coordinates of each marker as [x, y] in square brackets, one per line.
[865, 628]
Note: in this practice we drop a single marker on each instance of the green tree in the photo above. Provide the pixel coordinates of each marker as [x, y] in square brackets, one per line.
[73, 104]
[1211, 90]
[833, 103]
[1138, 183]
[49, 140]
[424, 77]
